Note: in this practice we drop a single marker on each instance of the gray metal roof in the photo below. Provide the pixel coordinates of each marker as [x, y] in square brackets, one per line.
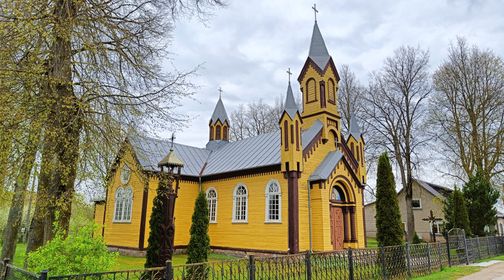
[258, 151]
[434, 189]
[219, 112]
[355, 129]
[318, 50]
[290, 106]
[308, 135]
[262, 150]
[150, 152]
[326, 167]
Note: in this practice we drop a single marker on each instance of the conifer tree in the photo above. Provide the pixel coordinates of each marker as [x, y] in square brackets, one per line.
[455, 211]
[480, 198]
[157, 250]
[388, 217]
[199, 244]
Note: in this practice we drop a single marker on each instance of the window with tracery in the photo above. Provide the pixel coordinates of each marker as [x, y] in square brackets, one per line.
[273, 202]
[240, 204]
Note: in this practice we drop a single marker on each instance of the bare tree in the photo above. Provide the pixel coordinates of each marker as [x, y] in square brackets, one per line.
[395, 111]
[350, 93]
[254, 119]
[467, 111]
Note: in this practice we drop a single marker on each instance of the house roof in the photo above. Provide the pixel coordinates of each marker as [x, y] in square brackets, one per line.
[326, 167]
[318, 50]
[434, 189]
[253, 152]
[219, 113]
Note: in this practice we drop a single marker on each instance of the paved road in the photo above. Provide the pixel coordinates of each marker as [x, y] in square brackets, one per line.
[493, 272]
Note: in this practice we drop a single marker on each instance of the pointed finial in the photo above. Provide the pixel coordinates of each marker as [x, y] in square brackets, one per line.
[315, 10]
[289, 73]
[172, 140]
[220, 92]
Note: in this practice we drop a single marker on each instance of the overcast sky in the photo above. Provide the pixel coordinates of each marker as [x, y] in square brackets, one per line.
[246, 47]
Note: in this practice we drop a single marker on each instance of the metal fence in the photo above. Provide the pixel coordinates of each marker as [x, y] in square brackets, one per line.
[394, 262]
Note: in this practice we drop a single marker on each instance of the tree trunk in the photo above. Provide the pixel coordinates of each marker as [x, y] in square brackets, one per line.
[16, 209]
[61, 147]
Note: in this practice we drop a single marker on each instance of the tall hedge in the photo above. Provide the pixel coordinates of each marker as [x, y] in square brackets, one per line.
[388, 217]
[480, 199]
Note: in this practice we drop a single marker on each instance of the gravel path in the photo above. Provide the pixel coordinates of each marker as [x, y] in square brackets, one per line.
[492, 272]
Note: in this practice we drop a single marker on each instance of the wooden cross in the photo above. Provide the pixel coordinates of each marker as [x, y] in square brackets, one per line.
[172, 140]
[289, 73]
[220, 92]
[315, 10]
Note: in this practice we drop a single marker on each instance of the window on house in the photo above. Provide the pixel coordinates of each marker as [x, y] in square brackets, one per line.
[212, 205]
[273, 202]
[123, 204]
[416, 203]
[240, 205]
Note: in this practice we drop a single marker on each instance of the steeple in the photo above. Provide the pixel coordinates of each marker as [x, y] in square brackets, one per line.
[355, 130]
[318, 50]
[219, 113]
[290, 106]
[219, 122]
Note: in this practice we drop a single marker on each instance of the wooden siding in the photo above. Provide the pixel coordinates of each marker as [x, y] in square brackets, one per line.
[98, 218]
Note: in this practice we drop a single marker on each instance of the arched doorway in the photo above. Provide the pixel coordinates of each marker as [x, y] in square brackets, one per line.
[342, 212]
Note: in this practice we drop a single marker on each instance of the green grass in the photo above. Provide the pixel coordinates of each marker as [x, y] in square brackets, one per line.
[124, 262]
[371, 242]
[451, 273]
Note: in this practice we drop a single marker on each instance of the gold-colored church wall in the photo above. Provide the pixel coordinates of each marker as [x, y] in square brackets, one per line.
[184, 207]
[256, 233]
[124, 234]
[98, 218]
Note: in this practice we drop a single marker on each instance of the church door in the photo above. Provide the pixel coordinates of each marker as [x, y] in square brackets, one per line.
[337, 229]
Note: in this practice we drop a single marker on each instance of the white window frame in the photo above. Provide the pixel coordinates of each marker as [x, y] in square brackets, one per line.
[123, 203]
[125, 174]
[267, 195]
[214, 221]
[234, 220]
[438, 225]
[416, 208]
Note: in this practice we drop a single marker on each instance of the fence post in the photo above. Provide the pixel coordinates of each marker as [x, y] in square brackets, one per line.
[429, 257]
[43, 275]
[479, 248]
[408, 259]
[439, 256]
[383, 264]
[350, 265]
[251, 267]
[169, 270]
[488, 246]
[308, 265]
[448, 249]
[466, 252]
[5, 271]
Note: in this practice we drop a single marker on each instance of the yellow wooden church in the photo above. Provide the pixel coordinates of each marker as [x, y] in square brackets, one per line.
[295, 189]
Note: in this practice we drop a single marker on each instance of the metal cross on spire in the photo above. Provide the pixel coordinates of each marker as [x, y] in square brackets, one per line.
[289, 73]
[172, 138]
[315, 10]
[220, 92]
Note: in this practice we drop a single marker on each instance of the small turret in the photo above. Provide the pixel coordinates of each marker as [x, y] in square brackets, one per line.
[290, 127]
[356, 143]
[219, 123]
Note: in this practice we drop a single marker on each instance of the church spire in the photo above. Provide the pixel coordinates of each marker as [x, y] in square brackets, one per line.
[219, 112]
[290, 106]
[318, 50]
[219, 122]
[355, 129]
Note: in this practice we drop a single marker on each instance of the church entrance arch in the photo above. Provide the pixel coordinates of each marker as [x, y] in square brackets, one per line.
[342, 215]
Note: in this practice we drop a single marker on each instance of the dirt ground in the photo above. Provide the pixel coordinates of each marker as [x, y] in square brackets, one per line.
[492, 272]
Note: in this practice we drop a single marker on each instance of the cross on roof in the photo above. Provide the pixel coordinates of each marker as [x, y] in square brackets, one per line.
[220, 92]
[172, 138]
[315, 10]
[289, 73]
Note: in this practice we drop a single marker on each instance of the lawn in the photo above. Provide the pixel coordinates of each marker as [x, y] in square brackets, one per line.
[125, 262]
[451, 273]
[371, 242]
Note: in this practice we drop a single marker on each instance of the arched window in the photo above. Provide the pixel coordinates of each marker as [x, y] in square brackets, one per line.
[218, 132]
[322, 95]
[211, 133]
[225, 133]
[311, 90]
[286, 134]
[273, 202]
[352, 148]
[331, 91]
[123, 204]
[212, 205]
[240, 204]
[337, 194]
[297, 135]
[335, 139]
